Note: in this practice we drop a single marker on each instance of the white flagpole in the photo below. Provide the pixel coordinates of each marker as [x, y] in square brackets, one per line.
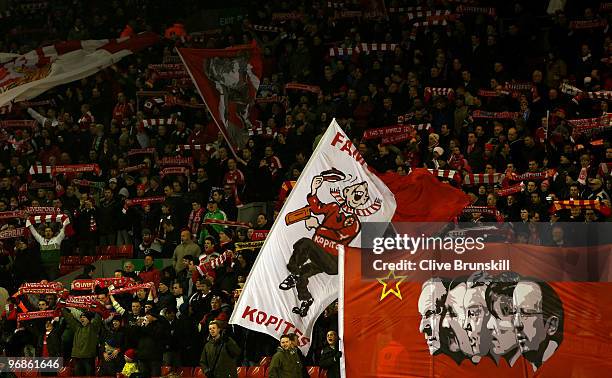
[341, 309]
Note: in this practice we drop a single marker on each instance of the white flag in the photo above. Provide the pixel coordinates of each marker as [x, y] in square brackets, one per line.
[23, 77]
[295, 275]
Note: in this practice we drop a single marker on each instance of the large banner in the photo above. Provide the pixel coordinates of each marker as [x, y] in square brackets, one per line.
[460, 306]
[23, 77]
[227, 80]
[295, 276]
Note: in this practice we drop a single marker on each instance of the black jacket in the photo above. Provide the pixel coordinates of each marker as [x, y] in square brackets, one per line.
[153, 339]
[330, 360]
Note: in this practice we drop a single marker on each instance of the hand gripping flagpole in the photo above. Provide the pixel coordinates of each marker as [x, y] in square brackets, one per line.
[341, 309]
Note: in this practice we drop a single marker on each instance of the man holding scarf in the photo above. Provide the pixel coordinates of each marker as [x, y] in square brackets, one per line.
[49, 248]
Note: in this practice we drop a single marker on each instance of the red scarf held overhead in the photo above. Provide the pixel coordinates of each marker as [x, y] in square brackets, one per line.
[510, 190]
[91, 284]
[144, 200]
[32, 315]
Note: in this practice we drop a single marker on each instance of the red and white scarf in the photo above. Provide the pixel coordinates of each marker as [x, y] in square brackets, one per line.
[144, 200]
[504, 192]
[141, 151]
[195, 220]
[303, 87]
[449, 174]
[464, 9]
[14, 123]
[132, 288]
[33, 315]
[226, 223]
[52, 218]
[373, 208]
[91, 284]
[494, 115]
[173, 171]
[189, 147]
[532, 176]
[13, 233]
[76, 168]
[482, 178]
[40, 170]
[176, 161]
[588, 24]
[148, 123]
[362, 48]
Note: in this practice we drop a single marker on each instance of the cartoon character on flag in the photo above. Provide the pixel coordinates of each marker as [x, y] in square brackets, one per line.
[340, 224]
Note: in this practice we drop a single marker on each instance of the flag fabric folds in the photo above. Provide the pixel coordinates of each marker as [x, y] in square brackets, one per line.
[227, 80]
[26, 76]
[295, 276]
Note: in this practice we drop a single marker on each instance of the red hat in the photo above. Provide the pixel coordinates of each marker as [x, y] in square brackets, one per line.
[131, 354]
[142, 187]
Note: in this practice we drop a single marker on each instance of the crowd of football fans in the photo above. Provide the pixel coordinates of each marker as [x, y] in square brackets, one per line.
[506, 114]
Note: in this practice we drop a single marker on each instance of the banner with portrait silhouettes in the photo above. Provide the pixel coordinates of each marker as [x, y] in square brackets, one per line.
[467, 300]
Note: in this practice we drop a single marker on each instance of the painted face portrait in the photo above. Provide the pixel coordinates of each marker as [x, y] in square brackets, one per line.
[452, 334]
[476, 319]
[431, 305]
[538, 320]
[503, 337]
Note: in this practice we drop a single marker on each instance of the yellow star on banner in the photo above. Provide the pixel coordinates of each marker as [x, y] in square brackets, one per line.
[391, 277]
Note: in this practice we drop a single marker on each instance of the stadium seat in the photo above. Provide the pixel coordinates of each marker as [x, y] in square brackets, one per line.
[256, 372]
[313, 371]
[66, 371]
[165, 370]
[87, 260]
[242, 372]
[265, 361]
[29, 373]
[198, 373]
[126, 251]
[185, 371]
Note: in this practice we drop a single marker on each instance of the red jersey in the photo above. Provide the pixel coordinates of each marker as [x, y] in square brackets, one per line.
[337, 227]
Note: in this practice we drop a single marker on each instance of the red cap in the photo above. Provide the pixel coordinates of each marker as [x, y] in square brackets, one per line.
[131, 354]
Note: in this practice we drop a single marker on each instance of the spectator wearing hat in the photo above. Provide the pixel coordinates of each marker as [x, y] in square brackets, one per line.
[85, 341]
[131, 366]
[220, 353]
[153, 336]
[164, 296]
[112, 361]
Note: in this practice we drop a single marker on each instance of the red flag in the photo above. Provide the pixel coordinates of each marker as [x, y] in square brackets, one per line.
[227, 80]
[419, 196]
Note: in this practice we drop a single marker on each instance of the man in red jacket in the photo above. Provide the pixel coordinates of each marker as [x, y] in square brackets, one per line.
[149, 273]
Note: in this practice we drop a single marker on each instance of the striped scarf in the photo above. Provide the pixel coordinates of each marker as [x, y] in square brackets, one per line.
[449, 174]
[373, 208]
[583, 204]
[482, 178]
[362, 48]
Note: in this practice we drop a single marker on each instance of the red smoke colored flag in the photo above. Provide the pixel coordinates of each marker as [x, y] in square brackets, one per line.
[23, 77]
[295, 276]
[227, 80]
